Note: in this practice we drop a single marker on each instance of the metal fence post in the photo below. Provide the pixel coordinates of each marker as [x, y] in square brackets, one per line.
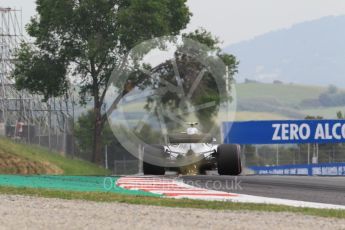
[140, 160]
[106, 157]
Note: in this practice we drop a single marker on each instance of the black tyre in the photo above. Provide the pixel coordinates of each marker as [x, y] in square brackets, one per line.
[229, 160]
[149, 169]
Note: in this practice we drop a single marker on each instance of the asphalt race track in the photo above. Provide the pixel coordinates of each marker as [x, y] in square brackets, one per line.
[329, 190]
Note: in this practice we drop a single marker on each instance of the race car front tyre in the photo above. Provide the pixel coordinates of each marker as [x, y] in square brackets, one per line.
[229, 160]
[150, 169]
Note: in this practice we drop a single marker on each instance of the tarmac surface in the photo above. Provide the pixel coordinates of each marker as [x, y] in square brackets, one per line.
[328, 190]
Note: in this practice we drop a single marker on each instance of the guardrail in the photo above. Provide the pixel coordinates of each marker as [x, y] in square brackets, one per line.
[325, 169]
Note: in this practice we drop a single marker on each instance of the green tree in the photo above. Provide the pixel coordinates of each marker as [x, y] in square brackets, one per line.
[83, 132]
[83, 40]
[340, 115]
[189, 68]
[309, 117]
[207, 92]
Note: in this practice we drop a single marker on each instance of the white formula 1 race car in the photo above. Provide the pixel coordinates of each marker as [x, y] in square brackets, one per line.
[199, 149]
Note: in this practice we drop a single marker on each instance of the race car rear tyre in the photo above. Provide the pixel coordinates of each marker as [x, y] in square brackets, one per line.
[150, 169]
[229, 160]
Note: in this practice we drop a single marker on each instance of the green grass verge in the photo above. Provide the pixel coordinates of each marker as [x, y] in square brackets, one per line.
[39, 154]
[286, 94]
[69, 183]
[183, 203]
[252, 116]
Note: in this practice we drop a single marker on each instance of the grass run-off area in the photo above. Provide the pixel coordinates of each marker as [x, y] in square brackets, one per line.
[263, 101]
[167, 202]
[17, 158]
[69, 183]
[287, 94]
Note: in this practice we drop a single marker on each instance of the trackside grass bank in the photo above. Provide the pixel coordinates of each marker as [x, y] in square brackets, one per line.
[69, 183]
[16, 158]
[156, 201]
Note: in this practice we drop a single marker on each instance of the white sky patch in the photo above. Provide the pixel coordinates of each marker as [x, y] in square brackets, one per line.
[259, 68]
[158, 56]
[236, 20]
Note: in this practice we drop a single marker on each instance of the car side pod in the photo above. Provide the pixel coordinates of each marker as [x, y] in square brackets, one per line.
[229, 160]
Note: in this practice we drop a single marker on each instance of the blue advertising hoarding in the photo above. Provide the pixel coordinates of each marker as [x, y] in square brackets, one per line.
[325, 169]
[284, 132]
